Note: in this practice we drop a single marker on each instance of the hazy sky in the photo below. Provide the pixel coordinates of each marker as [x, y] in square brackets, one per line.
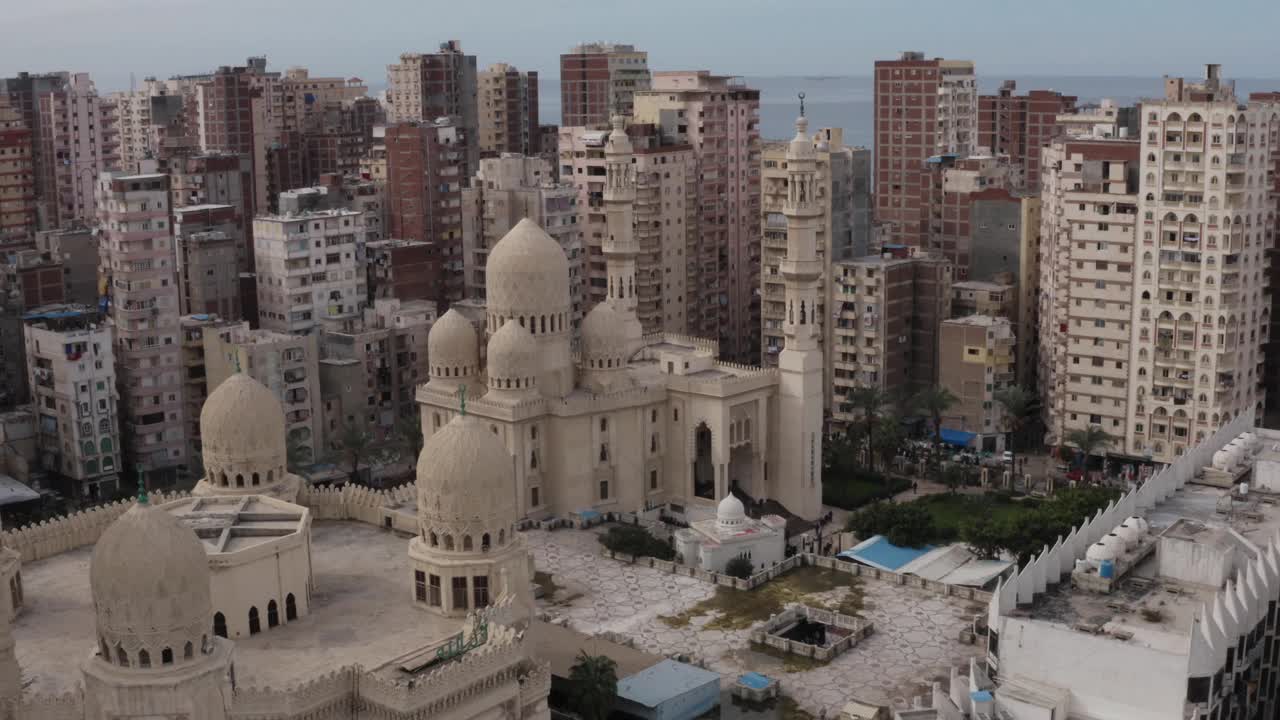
[111, 38]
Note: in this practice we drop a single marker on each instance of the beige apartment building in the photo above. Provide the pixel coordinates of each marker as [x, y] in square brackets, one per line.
[74, 397]
[978, 297]
[311, 269]
[976, 361]
[195, 377]
[719, 117]
[887, 310]
[844, 199]
[1087, 264]
[1201, 287]
[287, 364]
[508, 110]
[507, 189]
[666, 223]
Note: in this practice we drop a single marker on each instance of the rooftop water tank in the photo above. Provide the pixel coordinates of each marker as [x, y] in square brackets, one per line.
[1128, 532]
[1100, 551]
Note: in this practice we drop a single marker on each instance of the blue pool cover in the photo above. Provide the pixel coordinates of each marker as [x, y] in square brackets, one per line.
[878, 552]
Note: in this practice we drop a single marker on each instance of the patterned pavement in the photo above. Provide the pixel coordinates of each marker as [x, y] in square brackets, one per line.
[915, 639]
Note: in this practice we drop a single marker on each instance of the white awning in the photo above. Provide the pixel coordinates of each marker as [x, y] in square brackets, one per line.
[12, 491]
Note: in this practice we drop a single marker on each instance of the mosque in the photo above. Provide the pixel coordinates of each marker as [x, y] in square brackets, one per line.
[628, 421]
[233, 602]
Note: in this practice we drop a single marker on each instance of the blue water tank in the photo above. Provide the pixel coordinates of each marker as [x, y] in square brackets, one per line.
[1107, 569]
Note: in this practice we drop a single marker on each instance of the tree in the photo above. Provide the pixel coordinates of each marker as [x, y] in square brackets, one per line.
[354, 443]
[739, 567]
[594, 683]
[297, 454]
[870, 400]
[1020, 407]
[955, 476]
[408, 437]
[1089, 439]
[886, 439]
[935, 400]
[984, 536]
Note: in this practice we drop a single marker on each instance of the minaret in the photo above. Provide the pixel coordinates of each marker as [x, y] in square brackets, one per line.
[620, 247]
[797, 483]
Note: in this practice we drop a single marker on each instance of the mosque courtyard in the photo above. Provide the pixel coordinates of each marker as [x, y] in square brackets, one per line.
[916, 637]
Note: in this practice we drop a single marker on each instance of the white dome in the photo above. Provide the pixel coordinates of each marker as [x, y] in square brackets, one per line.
[604, 335]
[527, 274]
[730, 513]
[512, 356]
[1100, 551]
[453, 348]
[242, 432]
[149, 576]
[466, 482]
[1129, 533]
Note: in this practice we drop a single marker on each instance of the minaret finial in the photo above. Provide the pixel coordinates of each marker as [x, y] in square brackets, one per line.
[801, 104]
[462, 400]
[142, 488]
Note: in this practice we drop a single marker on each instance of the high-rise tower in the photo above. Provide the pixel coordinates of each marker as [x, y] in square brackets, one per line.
[797, 483]
[620, 247]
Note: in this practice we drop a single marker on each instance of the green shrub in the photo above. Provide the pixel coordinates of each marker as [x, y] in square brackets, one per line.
[852, 490]
[905, 525]
[740, 568]
[636, 541]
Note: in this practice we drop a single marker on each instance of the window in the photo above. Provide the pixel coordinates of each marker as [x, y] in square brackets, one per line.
[420, 585]
[604, 489]
[653, 479]
[604, 424]
[434, 594]
[480, 590]
[533, 497]
[459, 585]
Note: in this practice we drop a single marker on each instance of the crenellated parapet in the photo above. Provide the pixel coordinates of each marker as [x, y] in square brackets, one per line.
[68, 706]
[330, 695]
[70, 532]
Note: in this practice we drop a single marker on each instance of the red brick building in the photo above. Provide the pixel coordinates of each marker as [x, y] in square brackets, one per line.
[599, 79]
[17, 176]
[1020, 125]
[403, 269]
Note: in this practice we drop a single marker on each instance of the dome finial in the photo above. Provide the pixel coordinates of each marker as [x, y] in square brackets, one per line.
[462, 400]
[801, 95]
[143, 499]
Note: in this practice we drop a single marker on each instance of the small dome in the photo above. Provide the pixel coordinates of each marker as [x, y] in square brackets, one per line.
[453, 348]
[513, 355]
[466, 482]
[242, 423]
[1100, 551]
[604, 334]
[730, 513]
[527, 273]
[149, 576]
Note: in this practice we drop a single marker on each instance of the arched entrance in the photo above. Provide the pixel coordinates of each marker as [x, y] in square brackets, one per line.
[704, 471]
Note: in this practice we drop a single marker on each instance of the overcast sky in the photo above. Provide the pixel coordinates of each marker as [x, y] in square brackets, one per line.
[112, 38]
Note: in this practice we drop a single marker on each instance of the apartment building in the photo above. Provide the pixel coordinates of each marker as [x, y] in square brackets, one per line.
[159, 118]
[1202, 294]
[844, 201]
[1105, 119]
[505, 190]
[951, 186]
[29, 279]
[402, 269]
[76, 250]
[508, 111]
[311, 270]
[666, 224]
[73, 375]
[197, 180]
[424, 87]
[368, 375]
[79, 142]
[980, 297]
[341, 192]
[286, 363]
[1271, 125]
[195, 377]
[719, 117]
[923, 108]
[976, 361]
[207, 243]
[142, 296]
[24, 91]
[887, 310]
[426, 173]
[17, 176]
[599, 80]
[1088, 266]
[1019, 125]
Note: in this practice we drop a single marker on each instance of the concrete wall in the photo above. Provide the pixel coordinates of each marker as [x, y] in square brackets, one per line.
[1200, 563]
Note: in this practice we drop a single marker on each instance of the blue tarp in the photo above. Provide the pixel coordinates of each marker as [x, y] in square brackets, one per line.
[588, 514]
[957, 437]
[878, 552]
[754, 680]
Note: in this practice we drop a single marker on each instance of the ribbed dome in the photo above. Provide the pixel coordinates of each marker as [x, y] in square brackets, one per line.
[242, 421]
[604, 334]
[466, 482]
[149, 576]
[453, 349]
[513, 354]
[527, 273]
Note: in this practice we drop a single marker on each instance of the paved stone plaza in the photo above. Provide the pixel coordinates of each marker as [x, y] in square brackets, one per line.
[914, 642]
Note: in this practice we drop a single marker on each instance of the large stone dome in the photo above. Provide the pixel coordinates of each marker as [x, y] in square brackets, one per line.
[466, 485]
[604, 337]
[453, 348]
[512, 358]
[242, 433]
[149, 576]
[527, 274]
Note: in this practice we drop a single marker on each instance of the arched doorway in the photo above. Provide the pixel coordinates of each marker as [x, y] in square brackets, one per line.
[219, 625]
[704, 471]
[273, 614]
[255, 625]
[290, 608]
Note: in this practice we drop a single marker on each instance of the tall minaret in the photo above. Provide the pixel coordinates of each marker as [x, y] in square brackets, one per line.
[798, 482]
[620, 247]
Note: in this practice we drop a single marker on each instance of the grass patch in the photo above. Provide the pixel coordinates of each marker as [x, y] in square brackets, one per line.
[852, 603]
[740, 609]
[950, 511]
[789, 709]
[851, 491]
[791, 663]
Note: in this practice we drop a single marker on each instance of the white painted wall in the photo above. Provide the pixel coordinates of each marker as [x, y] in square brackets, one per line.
[1200, 563]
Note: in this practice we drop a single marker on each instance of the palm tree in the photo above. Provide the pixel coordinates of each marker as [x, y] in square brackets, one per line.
[935, 400]
[1020, 407]
[1089, 439]
[871, 400]
[594, 682]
